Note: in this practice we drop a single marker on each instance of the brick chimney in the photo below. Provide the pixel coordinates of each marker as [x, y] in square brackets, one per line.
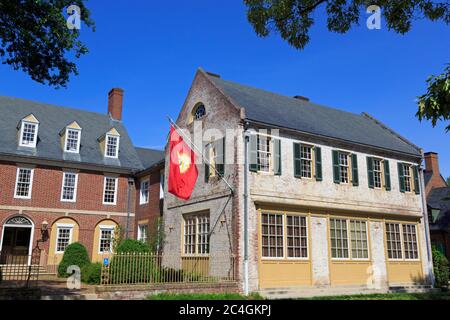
[115, 100]
[432, 168]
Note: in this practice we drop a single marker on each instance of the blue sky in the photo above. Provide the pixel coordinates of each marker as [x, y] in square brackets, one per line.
[152, 50]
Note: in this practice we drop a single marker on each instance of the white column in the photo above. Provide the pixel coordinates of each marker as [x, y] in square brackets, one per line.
[319, 251]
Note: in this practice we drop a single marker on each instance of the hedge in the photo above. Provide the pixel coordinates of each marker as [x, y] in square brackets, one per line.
[75, 254]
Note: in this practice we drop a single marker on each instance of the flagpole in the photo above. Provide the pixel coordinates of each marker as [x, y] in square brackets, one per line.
[200, 152]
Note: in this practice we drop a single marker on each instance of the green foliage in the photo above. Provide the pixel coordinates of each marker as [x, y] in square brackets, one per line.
[292, 19]
[156, 236]
[440, 264]
[118, 237]
[132, 268]
[35, 39]
[448, 181]
[130, 245]
[435, 104]
[200, 296]
[91, 273]
[75, 254]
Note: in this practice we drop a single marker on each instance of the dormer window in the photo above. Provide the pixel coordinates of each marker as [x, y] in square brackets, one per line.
[72, 140]
[29, 132]
[112, 146]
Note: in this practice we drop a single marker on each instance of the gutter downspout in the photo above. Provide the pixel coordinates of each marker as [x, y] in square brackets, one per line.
[127, 228]
[246, 281]
[431, 279]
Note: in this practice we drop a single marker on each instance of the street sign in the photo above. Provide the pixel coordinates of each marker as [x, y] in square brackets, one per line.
[105, 261]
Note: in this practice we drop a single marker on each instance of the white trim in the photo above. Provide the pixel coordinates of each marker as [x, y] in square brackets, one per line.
[141, 201]
[115, 190]
[75, 187]
[109, 228]
[30, 245]
[117, 146]
[139, 234]
[78, 141]
[36, 129]
[30, 190]
[63, 226]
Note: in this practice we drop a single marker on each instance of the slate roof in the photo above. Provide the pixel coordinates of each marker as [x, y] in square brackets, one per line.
[52, 119]
[439, 198]
[287, 112]
[149, 157]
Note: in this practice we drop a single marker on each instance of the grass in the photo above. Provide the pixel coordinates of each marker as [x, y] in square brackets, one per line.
[256, 296]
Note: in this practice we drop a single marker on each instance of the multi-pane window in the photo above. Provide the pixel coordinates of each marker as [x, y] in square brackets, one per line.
[272, 235]
[72, 140]
[69, 187]
[112, 146]
[199, 112]
[63, 238]
[110, 190]
[407, 177]
[358, 236]
[339, 238]
[349, 239]
[24, 182]
[410, 242]
[264, 155]
[144, 194]
[29, 134]
[344, 167]
[106, 240]
[196, 234]
[297, 238]
[394, 241]
[377, 173]
[142, 232]
[306, 161]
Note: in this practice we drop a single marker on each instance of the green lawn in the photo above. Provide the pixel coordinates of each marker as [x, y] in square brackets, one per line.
[254, 296]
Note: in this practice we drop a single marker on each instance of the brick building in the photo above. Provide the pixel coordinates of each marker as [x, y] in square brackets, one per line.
[68, 175]
[438, 203]
[329, 199]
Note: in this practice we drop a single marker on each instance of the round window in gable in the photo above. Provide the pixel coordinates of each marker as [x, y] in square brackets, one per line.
[198, 112]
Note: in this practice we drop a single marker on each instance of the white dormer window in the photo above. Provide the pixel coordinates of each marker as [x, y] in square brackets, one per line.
[112, 146]
[29, 132]
[72, 140]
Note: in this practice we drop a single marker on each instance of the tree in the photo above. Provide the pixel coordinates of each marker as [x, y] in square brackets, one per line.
[35, 38]
[292, 19]
[435, 104]
[448, 181]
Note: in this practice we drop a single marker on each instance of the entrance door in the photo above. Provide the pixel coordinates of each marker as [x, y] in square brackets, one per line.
[16, 241]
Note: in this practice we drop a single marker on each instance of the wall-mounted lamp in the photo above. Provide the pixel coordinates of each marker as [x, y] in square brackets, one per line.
[44, 231]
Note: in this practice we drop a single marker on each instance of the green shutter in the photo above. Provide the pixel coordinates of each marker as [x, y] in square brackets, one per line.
[355, 178]
[220, 156]
[387, 175]
[276, 156]
[297, 161]
[401, 177]
[416, 179]
[253, 153]
[207, 148]
[336, 170]
[318, 156]
[370, 177]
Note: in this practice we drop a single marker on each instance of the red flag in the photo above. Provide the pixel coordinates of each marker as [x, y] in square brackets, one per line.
[183, 172]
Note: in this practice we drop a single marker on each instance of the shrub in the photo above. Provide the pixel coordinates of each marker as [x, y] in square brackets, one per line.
[130, 245]
[75, 254]
[132, 267]
[91, 273]
[440, 264]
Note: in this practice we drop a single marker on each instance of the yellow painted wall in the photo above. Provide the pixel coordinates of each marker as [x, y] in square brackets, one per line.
[284, 273]
[96, 256]
[350, 272]
[53, 257]
[405, 272]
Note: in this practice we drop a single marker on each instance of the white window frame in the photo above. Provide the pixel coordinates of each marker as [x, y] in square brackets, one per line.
[140, 233]
[115, 190]
[366, 222]
[141, 196]
[63, 226]
[161, 184]
[30, 190]
[348, 239]
[402, 258]
[67, 138]
[75, 187]
[107, 228]
[380, 171]
[284, 237]
[347, 167]
[285, 226]
[107, 137]
[306, 160]
[196, 218]
[36, 129]
[268, 153]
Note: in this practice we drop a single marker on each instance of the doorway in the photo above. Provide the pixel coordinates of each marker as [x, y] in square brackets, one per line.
[16, 241]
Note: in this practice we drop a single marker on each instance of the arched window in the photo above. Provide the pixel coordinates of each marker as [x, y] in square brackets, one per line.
[198, 112]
